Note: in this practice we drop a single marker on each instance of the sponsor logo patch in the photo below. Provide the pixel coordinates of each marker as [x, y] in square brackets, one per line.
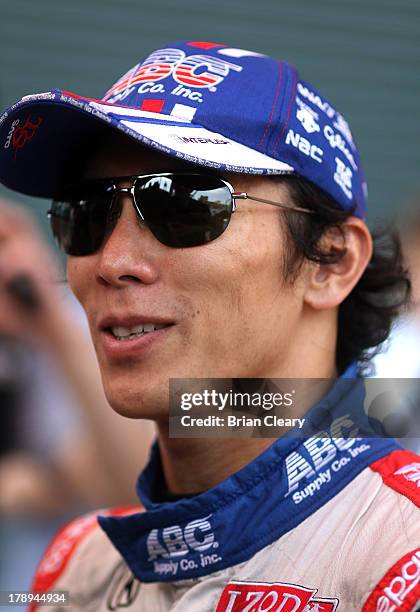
[21, 134]
[10, 133]
[194, 140]
[399, 589]
[336, 141]
[401, 471]
[197, 71]
[307, 117]
[343, 177]
[296, 140]
[341, 124]
[240, 596]
[316, 100]
[168, 548]
[48, 95]
[322, 458]
[410, 472]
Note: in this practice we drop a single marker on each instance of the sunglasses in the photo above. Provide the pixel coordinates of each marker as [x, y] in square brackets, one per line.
[181, 209]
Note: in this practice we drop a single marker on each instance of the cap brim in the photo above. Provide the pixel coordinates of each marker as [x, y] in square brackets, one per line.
[46, 139]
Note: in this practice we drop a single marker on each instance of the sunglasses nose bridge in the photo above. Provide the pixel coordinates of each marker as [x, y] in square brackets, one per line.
[130, 191]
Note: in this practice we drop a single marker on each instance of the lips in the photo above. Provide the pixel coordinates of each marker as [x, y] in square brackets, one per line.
[131, 336]
[129, 333]
[130, 321]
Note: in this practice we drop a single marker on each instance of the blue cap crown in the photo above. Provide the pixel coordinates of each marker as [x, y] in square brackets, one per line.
[208, 103]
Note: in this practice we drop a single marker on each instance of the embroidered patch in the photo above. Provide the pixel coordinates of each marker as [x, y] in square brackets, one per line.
[241, 596]
[399, 589]
[401, 471]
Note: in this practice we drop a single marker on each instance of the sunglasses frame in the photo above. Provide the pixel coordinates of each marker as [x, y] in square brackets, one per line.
[235, 195]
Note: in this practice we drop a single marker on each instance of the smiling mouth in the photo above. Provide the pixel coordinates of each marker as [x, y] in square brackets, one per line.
[134, 332]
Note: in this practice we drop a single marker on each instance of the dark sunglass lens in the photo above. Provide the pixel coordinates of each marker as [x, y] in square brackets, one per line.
[81, 219]
[184, 210]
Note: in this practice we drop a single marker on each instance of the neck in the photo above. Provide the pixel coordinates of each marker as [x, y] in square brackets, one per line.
[193, 465]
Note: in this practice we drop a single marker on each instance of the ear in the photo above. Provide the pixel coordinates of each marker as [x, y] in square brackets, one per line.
[329, 284]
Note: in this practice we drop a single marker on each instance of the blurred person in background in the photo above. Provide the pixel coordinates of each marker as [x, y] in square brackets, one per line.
[190, 261]
[62, 449]
[400, 355]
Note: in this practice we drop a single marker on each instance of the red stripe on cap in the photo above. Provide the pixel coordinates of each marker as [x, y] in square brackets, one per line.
[401, 471]
[204, 45]
[270, 119]
[77, 97]
[153, 106]
[286, 123]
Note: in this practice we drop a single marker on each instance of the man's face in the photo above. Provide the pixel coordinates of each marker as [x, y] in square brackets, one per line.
[228, 311]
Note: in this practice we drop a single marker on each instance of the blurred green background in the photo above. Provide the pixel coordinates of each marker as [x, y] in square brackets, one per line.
[364, 55]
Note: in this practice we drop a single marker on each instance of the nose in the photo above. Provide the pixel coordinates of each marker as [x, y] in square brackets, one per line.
[129, 253]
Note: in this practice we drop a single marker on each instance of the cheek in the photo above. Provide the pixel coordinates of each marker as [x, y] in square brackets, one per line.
[79, 270]
[238, 277]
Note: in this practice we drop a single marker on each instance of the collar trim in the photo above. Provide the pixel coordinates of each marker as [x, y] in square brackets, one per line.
[230, 523]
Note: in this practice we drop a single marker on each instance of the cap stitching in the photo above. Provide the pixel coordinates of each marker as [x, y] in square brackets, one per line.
[286, 123]
[274, 105]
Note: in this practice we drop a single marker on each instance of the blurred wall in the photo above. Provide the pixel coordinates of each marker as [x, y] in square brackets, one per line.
[363, 54]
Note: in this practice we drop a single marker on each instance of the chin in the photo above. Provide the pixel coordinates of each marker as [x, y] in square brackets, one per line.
[137, 401]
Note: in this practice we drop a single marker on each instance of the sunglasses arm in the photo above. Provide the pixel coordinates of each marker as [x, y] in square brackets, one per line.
[246, 196]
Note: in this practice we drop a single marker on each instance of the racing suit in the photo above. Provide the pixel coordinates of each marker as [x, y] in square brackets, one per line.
[319, 522]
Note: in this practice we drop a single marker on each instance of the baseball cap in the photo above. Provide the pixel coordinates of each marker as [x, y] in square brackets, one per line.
[216, 106]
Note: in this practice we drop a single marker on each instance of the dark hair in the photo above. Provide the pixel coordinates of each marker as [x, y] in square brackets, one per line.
[366, 315]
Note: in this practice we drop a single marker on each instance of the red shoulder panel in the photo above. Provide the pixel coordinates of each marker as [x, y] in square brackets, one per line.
[399, 589]
[63, 545]
[401, 471]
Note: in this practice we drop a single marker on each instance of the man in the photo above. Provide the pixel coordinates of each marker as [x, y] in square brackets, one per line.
[192, 262]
